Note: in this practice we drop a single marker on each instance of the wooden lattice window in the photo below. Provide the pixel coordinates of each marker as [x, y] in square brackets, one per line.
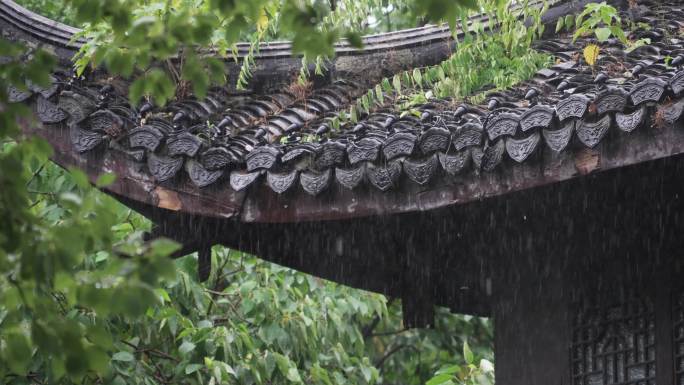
[615, 345]
[678, 320]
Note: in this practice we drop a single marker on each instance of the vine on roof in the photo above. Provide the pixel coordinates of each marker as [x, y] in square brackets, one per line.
[482, 62]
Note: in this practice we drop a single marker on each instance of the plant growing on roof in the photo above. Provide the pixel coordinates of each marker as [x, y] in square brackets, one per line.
[603, 21]
[501, 58]
[600, 19]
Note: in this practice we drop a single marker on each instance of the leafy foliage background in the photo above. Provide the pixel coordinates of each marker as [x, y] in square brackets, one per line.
[115, 310]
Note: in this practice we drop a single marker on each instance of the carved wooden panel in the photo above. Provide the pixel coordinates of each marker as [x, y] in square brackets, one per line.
[615, 345]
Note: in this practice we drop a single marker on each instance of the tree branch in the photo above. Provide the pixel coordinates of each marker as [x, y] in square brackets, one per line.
[152, 351]
[390, 333]
[368, 330]
[379, 363]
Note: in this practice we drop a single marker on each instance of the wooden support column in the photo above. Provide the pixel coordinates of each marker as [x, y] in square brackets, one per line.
[664, 332]
[532, 340]
[532, 331]
[418, 284]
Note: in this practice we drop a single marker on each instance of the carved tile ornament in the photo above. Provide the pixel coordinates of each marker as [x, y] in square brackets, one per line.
[49, 112]
[199, 175]
[454, 163]
[521, 149]
[591, 133]
[147, 137]
[350, 178]
[263, 157]
[502, 124]
[611, 100]
[240, 180]
[574, 106]
[315, 182]
[400, 144]
[163, 167]
[536, 117]
[629, 122]
[649, 90]
[366, 149]
[421, 171]
[558, 139]
[231, 141]
[281, 182]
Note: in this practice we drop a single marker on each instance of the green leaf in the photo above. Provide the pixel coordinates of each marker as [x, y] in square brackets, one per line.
[354, 39]
[559, 24]
[417, 77]
[569, 21]
[98, 360]
[17, 352]
[367, 374]
[379, 94]
[192, 368]
[617, 31]
[396, 82]
[159, 86]
[137, 90]
[163, 247]
[120, 62]
[123, 356]
[386, 86]
[449, 370]
[186, 347]
[293, 375]
[441, 379]
[105, 179]
[641, 43]
[98, 335]
[441, 74]
[467, 353]
[365, 102]
[602, 34]
[79, 177]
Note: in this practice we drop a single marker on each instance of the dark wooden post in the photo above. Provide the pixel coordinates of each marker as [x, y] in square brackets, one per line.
[532, 336]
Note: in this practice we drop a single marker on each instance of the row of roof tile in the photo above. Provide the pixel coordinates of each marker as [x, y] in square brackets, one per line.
[288, 140]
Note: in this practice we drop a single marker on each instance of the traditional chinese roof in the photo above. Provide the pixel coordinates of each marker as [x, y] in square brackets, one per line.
[270, 157]
[268, 172]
